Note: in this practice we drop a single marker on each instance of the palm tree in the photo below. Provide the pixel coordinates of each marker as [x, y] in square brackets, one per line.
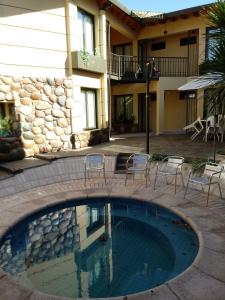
[214, 66]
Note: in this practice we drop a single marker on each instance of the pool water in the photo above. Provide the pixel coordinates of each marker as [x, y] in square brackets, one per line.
[99, 247]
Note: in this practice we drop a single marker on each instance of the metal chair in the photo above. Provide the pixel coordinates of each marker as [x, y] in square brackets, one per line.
[211, 175]
[170, 166]
[138, 163]
[197, 126]
[94, 162]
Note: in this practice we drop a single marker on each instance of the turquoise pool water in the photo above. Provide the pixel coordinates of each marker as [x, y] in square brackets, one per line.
[99, 247]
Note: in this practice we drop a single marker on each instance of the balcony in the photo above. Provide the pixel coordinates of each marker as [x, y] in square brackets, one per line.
[91, 63]
[132, 68]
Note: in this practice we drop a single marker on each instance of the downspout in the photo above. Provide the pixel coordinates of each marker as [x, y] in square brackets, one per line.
[69, 72]
[68, 39]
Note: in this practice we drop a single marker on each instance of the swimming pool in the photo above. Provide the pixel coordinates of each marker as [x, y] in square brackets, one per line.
[98, 247]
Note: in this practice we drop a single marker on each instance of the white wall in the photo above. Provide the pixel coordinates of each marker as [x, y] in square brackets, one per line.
[33, 38]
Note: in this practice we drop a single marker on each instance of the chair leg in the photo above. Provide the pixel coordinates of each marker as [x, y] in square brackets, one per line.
[126, 178]
[104, 174]
[186, 189]
[156, 175]
[221, 196]
[175, 183]
[208, 195]
[182, 179]
[146, 178]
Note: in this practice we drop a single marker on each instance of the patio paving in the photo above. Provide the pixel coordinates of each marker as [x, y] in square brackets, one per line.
[128, 143]
[42, 186]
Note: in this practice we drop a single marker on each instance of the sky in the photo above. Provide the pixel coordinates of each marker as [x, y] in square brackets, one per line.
[162, 5]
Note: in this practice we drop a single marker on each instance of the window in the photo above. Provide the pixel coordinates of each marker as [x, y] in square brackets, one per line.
[123, 109]
[88, 109]
[188, 41]
[125, 49]
[86, 31]
[95, 218]
[186, 95]
[210, 42]
[158, 46]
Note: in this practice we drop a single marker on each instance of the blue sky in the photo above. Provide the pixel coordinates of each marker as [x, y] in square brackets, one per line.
[162, 5]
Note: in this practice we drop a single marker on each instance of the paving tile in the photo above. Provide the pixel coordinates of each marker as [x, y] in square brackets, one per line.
[10, 290]
[196, 285]
[211, 263]
[41, 296]
[161, 293]
[214, 241]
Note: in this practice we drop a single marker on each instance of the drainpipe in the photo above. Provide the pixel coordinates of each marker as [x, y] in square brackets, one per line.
[68, 38]
[69, 72]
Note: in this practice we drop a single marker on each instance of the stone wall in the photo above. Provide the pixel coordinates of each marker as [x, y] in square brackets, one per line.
[43, 111]
[90, 138]
[46, 238]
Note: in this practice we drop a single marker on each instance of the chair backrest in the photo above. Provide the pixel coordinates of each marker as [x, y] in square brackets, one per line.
[197, 124]
[174, 161]
[211, 168]
[210, 121]
[139, 159]
[94, 160]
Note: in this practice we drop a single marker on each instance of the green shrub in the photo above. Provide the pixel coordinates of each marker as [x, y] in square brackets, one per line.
[5, 126]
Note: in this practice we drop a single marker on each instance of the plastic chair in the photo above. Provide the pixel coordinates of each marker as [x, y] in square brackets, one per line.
[197, 126]
[170, 166]
[210, 124]
[211, 175]
[138, 163]
[94, 162]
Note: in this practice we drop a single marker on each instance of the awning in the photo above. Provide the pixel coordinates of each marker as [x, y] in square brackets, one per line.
[202, 82]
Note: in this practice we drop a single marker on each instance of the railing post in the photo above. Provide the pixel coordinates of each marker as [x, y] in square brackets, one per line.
[119, 67]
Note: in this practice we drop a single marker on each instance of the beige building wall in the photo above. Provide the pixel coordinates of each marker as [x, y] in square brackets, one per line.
[179, 26]
[82, 79]
[33, 38]
[175, 112]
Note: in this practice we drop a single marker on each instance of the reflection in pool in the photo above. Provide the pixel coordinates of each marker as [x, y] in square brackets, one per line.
[98, 247]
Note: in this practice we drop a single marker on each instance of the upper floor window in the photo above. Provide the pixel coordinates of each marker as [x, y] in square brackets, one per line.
[188, 40]
[158, 46]
[210, 42]
[86, 31]
[88, 108]
[124, 49]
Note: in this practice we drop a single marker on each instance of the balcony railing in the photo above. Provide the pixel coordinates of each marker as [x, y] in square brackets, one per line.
[133, 68]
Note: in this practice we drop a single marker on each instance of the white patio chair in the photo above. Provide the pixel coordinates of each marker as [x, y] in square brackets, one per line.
[170, 166]
[94, 162]
[210, 123]
[211, 175]
[197, 126]
[137, 164]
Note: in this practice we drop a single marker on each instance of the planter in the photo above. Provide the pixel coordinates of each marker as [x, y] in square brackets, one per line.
[94, 63]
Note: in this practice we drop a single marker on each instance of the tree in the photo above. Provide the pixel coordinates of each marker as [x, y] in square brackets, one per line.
[214, 66]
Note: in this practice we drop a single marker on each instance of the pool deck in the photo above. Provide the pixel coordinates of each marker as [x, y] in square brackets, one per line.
[41, 186]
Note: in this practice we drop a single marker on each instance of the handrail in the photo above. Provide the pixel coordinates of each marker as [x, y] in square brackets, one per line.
[128, 67]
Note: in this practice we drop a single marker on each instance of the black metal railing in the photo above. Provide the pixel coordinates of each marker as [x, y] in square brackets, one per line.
[124, 67]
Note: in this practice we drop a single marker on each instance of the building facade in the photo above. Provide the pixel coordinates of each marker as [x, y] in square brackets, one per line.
[70, 70]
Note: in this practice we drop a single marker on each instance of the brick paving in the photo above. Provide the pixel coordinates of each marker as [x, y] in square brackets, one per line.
[63, 179]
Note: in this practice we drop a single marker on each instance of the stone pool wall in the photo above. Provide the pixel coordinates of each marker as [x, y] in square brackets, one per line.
[50, 236]
[42, 111]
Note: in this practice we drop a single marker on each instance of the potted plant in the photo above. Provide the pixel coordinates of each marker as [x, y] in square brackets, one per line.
[5, 127]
